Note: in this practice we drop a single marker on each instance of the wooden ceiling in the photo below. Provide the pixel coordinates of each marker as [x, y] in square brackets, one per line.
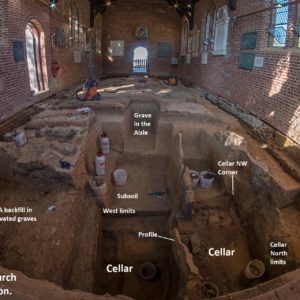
[183, 7]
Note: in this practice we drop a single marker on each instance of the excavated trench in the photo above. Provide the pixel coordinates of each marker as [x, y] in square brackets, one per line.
[73, 245]
[119, 242]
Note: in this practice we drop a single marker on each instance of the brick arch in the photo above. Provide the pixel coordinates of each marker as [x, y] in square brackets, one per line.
[185, 29]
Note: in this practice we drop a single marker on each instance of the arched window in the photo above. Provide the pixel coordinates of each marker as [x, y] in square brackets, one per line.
[184, 37]
[140, 60]
[71, 25]
[36, 56]
[221, 35]
[209, 28]
[74, 25]
[213, 27]
[98, 33]
[207, 31]
[298, 26]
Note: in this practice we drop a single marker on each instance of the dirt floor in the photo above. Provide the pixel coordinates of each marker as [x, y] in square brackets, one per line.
[71, 241]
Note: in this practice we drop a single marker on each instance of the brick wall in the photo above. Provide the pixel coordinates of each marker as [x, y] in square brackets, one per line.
[3, 48]
[272, 92]
[16, 94]
[120, 22]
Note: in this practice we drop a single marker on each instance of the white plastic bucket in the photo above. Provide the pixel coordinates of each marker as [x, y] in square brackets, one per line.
[100, 165]
[195, 176]
[104, 141]
[98, 186]
[20, 138]
[120, 177]
[204, 181]
[255, 269]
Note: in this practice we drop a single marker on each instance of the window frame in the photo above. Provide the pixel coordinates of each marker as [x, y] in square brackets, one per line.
[184, 38]
[207, 27]
[297, 23]
[74, 26]
[272, 41]
[39, 54]
[221, 31]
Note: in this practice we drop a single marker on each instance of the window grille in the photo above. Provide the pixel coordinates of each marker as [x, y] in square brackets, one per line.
[297, 27]
[278, 29]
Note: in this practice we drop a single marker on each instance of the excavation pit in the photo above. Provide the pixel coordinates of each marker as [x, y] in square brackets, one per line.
[232, 222]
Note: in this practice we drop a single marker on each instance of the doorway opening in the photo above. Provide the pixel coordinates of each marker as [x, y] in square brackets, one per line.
[36, 58]
[140, 60]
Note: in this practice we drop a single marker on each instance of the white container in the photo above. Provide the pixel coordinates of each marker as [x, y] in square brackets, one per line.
[195, 177]
[204, 181]
[20, 138]
[100, 164]
[104, 143]
[99, 186]
[255, 269]
[120, 177]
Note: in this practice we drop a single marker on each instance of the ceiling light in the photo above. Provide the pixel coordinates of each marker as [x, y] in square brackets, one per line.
[53, 3]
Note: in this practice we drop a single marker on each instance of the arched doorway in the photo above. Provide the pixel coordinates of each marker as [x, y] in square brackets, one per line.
[36, 59]
[140, 60]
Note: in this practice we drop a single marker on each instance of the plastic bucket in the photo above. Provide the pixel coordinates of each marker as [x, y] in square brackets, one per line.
[172, 81]
[147, 271]
[20, 138]
[209, 290]
[255, 269]
[206, 179]
[195, 177]
[120, 177]
[98, 186]
[104, 142]
[100, 165]
[101, 187]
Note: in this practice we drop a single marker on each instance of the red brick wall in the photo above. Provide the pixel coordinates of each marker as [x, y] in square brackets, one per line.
[17, 92]
[272, 93]
[3, 47]
[120, 22]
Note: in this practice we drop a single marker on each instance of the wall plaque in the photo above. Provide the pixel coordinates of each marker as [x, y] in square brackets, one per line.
[117, 48]
[164, 50]
[247, 61]
[232, 4]
[204, 58]
[258, 62]
[18, 50]
[141, 32]
[77, 56]
[249, 40]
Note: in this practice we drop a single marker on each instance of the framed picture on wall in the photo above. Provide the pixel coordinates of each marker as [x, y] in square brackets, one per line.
[18, 50]
[117, 48]
[141, 32]
[164, 50]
